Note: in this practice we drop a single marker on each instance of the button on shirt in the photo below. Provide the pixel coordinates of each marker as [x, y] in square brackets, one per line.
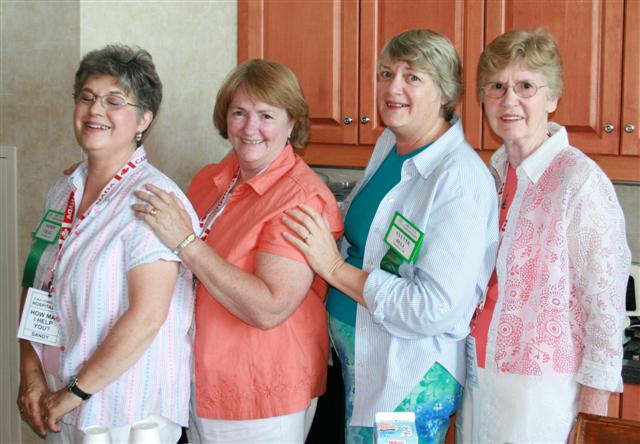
[423, 316]
[91, 295]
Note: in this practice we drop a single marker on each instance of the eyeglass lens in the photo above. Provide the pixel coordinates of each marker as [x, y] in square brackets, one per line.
[107, 101]
[524, 89]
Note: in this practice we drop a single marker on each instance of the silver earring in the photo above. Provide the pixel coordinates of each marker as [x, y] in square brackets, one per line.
[138, 136]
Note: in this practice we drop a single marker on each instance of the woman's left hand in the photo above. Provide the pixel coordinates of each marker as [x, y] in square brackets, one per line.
[314, 239]
[165, 214]
[55, 405]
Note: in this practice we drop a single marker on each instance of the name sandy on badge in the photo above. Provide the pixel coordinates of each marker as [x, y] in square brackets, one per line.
[38, 322]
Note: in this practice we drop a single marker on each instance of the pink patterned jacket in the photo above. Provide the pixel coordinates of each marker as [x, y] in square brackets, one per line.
[562, 270]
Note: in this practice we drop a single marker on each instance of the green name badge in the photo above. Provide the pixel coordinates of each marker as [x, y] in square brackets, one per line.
[46, 234]
[49, 227]
[404, 240]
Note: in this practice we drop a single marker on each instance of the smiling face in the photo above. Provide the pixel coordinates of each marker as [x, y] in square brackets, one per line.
[107, 132]
[520, 123]
[409, 101]
[257, 131]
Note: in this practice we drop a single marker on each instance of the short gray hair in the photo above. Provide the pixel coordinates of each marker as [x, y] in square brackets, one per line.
[537, 49]
[432, 53]
[134, 69]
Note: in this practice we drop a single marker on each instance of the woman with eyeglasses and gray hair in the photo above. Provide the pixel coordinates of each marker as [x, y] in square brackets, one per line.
[117, 297]
[419, 246]
[547, 341]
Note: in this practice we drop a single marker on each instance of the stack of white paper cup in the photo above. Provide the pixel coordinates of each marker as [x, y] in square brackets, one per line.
[144, 432]
[96, 435]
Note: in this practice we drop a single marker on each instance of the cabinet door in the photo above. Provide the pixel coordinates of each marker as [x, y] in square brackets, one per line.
[589, 34]
[631, 85]
[317, 40]
[460, 21]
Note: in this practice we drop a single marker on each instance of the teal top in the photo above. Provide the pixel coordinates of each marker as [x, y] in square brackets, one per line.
[358, 222]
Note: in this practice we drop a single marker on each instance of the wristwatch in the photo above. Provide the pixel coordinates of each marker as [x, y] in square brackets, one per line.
[73, 388]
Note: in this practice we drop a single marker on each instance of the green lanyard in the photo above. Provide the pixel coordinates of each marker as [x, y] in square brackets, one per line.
[46, 234]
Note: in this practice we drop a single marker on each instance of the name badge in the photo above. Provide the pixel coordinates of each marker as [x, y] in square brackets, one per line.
[49, 227]
[404, 237]
[38, 321]
[404, 240]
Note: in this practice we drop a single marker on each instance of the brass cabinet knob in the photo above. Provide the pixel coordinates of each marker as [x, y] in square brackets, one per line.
[347, 120]
[364, 120]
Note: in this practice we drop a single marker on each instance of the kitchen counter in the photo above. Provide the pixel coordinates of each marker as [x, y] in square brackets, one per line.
[630, 371]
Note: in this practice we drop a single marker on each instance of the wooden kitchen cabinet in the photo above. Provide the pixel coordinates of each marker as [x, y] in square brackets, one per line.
[600, 46]
[631, 81]
[625, 405]
[332, 46]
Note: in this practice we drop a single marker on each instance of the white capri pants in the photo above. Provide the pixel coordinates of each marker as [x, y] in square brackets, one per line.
[286, 429]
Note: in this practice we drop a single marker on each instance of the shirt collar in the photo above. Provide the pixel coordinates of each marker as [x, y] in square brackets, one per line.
[537, 162]
[262, 182]
[427, 160]
[78, 178]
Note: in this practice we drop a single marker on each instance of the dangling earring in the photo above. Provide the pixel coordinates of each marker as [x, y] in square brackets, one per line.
[139, 136]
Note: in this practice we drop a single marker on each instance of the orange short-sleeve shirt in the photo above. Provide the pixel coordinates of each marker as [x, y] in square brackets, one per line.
[244, 372]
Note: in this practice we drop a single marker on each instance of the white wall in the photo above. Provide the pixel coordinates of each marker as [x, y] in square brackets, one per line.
[193, 44]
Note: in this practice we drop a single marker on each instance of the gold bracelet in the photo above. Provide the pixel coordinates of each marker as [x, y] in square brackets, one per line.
[184, 244]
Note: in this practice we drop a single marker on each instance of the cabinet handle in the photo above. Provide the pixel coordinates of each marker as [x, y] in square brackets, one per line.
[608, 128]
[347, 120]
[364, 120]
[629, 128]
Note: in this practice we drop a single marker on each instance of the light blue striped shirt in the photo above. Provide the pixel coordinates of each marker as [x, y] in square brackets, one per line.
[423, 316]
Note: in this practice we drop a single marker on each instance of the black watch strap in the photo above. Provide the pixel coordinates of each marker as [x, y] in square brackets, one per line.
[73, 388]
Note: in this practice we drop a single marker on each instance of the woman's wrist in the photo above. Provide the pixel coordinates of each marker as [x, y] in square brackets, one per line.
[337, 263]
[184, 244]
[593, 400]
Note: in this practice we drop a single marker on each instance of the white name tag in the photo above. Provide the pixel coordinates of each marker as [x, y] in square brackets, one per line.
[38, 321]
[404, 237]
[49, 227]
[401, 242]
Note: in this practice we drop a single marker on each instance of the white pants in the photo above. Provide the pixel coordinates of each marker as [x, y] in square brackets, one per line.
[286, 429]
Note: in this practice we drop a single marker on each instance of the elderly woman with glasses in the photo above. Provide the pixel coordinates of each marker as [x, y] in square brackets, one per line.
[419, 246]
[548, 341]
[119, 301]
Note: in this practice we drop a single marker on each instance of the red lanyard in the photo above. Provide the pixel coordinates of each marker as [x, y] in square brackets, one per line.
[506, 196]
[69, 213]
[206, 221]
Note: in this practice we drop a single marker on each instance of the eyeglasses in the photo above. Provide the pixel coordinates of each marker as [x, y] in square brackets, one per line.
[108, 101]
[523, 89]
